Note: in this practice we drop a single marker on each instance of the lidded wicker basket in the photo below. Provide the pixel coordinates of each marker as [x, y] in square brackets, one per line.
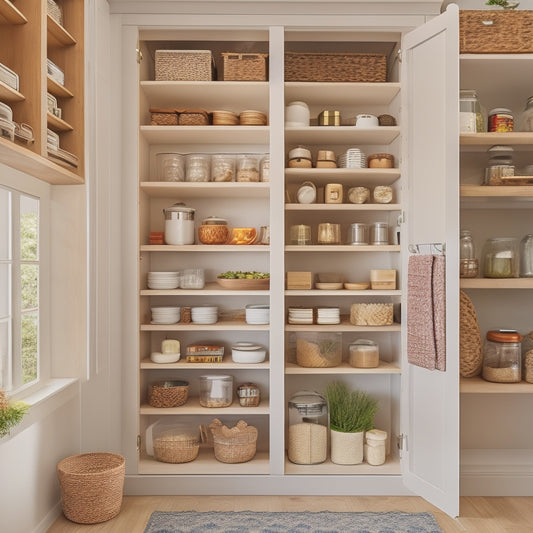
[244, 67]
[91, 486]
[371, 314]
[234, 445]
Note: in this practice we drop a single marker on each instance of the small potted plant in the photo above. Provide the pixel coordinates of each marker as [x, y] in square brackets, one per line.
[351, 413]
[11, 414]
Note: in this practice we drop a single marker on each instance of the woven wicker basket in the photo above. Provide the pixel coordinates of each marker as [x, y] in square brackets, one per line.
[55, 11]
[495, 32]
[235, 445]
[374, 314]
[91, 486]
[192, 117]
[176, 448]
[470, 343]
[163, 117]
[168, 393]
[183, 65]
[327, 67]
[244, 67]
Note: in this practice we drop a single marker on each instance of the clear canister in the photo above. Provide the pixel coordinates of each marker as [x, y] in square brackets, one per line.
[248, 167]
[197, 167]
[470, 116]
[468, 264]
[265, 168]
[223, 167]
[308, 428]
[502, 356]
[526, 256]
[364, 353]
[500, 258]
[216, 390]
[170, 167]
[300, 234]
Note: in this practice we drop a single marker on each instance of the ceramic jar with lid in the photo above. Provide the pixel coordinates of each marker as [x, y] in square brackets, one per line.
[308, 428]
[300, 157]
[297, 115]
[179, 224]
[214, 230]
[375, 447]
[502, 355]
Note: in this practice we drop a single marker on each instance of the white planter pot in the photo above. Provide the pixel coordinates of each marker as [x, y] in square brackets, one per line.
[347, 448]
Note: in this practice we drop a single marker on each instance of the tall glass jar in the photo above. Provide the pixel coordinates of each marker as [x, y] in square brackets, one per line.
[500, 258]
[308, 428]
[470, 116]
[468, 264]
[525, 120]
[502, 357]
[526, 256]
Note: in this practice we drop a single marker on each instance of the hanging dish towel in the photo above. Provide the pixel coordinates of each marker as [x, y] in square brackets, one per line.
[426, 332]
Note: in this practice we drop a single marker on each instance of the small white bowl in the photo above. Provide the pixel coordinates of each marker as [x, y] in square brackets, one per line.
[247, 352]
[158, 357]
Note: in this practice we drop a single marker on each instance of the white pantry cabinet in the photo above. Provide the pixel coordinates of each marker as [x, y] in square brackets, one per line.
[422, 93]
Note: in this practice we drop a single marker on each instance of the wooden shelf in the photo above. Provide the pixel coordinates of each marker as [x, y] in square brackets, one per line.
[477, 385]
[193, 407]
[343, 326]
[342, 207]
[341, 135]
[210, 289]
[210, 189]
[8, 94]
[383, 368]
[10, 14]
[341, 292]
[249, 248]
[205, 134]
[342, 248]
[353, 176]
[147, 364]
[57, 124]
[342, 93]
[58, 90]
[482, 141]
[57, 34]
[390, 467]
[489, 283]
[206, 464]
[501, 191]
[221, 325]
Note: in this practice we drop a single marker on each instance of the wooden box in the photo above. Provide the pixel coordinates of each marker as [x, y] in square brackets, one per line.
[299, 280]
[383, 279]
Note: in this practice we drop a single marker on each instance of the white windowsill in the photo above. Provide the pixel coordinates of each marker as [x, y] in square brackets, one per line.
[52, 395]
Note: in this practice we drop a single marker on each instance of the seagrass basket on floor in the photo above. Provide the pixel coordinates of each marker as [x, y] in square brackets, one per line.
[91, 486]
[495, 32]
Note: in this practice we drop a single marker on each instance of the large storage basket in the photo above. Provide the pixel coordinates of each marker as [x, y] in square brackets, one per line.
[329, 67]
[371, 314]
[91, 486]
[235, 445]
[244, 67]
[495, 32]
[183, 65]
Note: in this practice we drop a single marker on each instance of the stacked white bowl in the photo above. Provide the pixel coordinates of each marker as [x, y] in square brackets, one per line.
[204, 314]
[166, 315]
[258, 314]
[299, 315]
[247, 352]
[328, 315]
[163, 280]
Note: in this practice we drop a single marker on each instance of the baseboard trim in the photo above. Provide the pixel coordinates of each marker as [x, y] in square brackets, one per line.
[49, 519]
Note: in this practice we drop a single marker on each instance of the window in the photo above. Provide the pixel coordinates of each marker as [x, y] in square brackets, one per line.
[20, 300]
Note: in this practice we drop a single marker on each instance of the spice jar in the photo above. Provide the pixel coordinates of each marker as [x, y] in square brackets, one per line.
[248, 168]
[364, 354]
[500, 120]
[468, 264]
[502, 356]
[216, 391]
[197, 167]
[308, 428]
[500, 258]
[526, 256]
[375, 449]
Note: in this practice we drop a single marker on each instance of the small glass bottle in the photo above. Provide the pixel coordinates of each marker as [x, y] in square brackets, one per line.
[525, 120]
[526, 256]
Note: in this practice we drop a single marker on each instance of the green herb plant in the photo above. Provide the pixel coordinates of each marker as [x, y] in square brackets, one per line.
[502, 3]
[350, 411]
[11, 414]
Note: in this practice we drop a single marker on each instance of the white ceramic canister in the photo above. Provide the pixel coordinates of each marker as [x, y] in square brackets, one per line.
[297, 115]
[179, 224]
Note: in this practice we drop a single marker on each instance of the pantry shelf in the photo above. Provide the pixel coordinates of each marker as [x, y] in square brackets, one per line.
[205, 134]
[383, 368]
[342, 207]
[342, 248]
[147, 364]
[57, 34]
[165, 189]
[477, 385]
[57, 124]
[221, 325]
[342, 292]
[210, 289]
[341, 135]
[10, 14]
[352, 176]
[488, 283]
[8, 94]
[390, 467]
[250, 248]
[193, 407]
[56, 89]
[343, 326]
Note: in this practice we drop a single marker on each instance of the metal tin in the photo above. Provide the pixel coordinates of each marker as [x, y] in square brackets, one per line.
[379, 233]
[358, 234]
[501, 120]
[329, 118]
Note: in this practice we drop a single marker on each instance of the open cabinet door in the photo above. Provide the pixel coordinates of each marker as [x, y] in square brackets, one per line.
[430, 398]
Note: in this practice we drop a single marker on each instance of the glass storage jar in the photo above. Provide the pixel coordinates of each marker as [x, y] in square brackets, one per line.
[308, 428]
[265, 168]
[222, 167]
[526, 256]
[364, 353]
[170, 167]
[525, 120]
[500, 164]
[470, 116]
[317, 349]
[527, 357]
[501, 120]
[468, 264]
[248, 167]
[197, 167]
[216, 391]
[500, 258]
[502, 356]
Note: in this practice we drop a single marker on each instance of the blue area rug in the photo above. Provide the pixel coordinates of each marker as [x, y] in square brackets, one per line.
[301, 522]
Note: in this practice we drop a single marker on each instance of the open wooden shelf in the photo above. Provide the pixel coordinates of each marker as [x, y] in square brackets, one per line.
[352, 176]
[209, 189]
[342, 248]
[193, 407]
[222, 325]
[390, 467]
[8, 94]
[489, 283]
[58, 90]
[210, 289]
[57, 34]
[10, 14]
[57, 124]
[342, 207]
[344, 368]
[344, 325]
[148, 364]
[188, 248]
[477, 385]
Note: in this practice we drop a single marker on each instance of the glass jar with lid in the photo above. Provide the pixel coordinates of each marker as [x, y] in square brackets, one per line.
[197, 167]
[223, 167]
[500, 164]
[216, 391]
[500, 258]
[364, 353]
[170, 166]
[248, 167]
[525, 120]
[526, 256]
[470, 115]
[308, 428]
[468, 264]
[502, 356]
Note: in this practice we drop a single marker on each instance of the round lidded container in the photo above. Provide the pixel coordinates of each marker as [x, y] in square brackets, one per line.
[526, 256]
[375, 447]
[379, 233]
[306, 193]
[468, 264]
[297, 115]
[308, 428]
[247, 352]
[380, 161]
[173, 443]
[364, 353]
[500, 164]
[216, 390]
[248, 167]
[470, 115]
[214, 230]
[223, 167]
[300, 234]
[358, 233]
[179, 224]
[197, 167]
[249, 395]
[502, 355]
[500, 120]
[500, 258]
[170, 167]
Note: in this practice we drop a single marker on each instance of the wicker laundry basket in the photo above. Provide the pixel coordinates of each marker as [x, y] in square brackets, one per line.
[91, 486]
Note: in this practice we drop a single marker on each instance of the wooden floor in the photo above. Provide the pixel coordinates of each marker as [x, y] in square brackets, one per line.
[478, 515]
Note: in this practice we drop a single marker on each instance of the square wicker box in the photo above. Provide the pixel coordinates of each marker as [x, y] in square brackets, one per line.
[163, 117]
[329, 67]
[371, 314]
[495, 32]
[244, 67]
[183, 65]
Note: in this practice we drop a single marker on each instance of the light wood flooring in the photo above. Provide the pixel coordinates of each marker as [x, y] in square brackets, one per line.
[477, 514]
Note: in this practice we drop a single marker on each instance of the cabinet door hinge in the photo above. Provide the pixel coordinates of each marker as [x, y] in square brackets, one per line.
[402, 442]
[138, 443]
[139, 55]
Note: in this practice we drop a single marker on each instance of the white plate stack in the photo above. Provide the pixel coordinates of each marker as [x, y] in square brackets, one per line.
[258, 314]
[205, 314]
[353, 158]
[166, 315]
[163, 280]
[328, 315]
[300, 315]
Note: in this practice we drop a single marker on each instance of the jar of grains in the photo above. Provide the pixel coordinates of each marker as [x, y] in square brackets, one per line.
[248, 167]
[502, 356]
[364, 353]
[308, 428]
[216, 391]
